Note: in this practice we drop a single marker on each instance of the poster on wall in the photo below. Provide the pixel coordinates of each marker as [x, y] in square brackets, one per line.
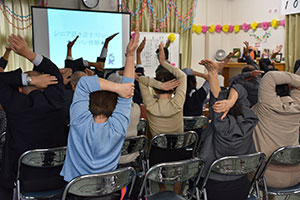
[290, 7]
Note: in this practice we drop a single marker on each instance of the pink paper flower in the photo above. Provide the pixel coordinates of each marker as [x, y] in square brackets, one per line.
[218, 28]
[246, 27]
[265, 25]
[173, 64]
[231, 28]
[282, 23]
[204, 29]
[132, 35]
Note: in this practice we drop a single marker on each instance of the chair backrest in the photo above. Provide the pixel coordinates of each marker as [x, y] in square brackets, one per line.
[194, 122]
[237, 165]
[2, 138]
[142, 126]
[94, 185]
[134, 144]
[173, 172]
[39, 159]
[288, 155]
[174, 141]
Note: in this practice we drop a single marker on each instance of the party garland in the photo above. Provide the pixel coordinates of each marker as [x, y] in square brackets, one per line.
[21, 18]
[164, 21]
[237, 28]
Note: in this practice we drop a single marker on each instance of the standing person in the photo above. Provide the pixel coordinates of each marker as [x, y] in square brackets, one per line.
[34, 105]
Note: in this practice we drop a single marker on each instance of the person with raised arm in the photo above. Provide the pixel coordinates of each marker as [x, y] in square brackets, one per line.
[99, 118]
[34, 104]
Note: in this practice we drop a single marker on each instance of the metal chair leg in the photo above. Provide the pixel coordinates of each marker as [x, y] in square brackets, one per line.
[287, 197]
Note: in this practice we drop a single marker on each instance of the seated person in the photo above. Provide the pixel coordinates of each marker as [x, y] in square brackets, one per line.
[193, 105]
[278, 111]
[228, 134]
[34, 105]
[165, 114]
[99, 119]
[267, 64]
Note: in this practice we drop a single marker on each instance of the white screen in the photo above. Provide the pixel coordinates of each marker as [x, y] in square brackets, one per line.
[53, 28]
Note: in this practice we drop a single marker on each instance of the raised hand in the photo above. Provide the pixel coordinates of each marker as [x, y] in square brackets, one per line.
[141, 46]
[132, 45]
[162, 57]
[89, 72]
[125, 90]
[211, 66]
[19, 46]
[71, 43]
[168, 43]
[66, 74]
[246, 49]
[169, 85]
[43, 81]
[108, 39]
[256, 73]
[277, 50]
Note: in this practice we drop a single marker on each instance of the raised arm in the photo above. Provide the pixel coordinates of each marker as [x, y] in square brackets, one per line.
[139, 51]
[248, 58]
[267, 91]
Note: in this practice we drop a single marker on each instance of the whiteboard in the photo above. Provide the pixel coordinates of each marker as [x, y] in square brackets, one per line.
[148, 56]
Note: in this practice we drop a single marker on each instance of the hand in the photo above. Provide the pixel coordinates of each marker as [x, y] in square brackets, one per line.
[66, 74]
[108, 39]
[43, 81]
[223, 106]
[169, 85]
[19, 46]
[277, 50]
[71, 43]
[256, 73]
[211, 66]
[126, 90]
[132, 45]
[162, 57]
[168, 43]
[89, 72]
[229, 56]
[8, 48]
[142, 46]
[246, 49]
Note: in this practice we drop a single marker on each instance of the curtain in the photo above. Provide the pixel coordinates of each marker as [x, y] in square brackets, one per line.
[14, 24]
[292, 41]
[173, 25]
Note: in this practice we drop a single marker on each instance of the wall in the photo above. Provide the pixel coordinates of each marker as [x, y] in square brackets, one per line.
[106, 5]
[234, 12]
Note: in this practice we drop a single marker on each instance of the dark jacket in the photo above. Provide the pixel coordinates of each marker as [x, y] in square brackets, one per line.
[230, 136]
[193, 105]
[36, 120]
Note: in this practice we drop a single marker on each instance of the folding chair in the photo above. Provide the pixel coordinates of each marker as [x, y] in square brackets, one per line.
[45, 162]
[187, 140]
[236, 165]
[103, 184]
[171, 173]
[192, 123]
[142, 126]
[287, 156]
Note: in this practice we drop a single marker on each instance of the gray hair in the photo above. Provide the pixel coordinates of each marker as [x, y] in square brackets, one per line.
[76, 77]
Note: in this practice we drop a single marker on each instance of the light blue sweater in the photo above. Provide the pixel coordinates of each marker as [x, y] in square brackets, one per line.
[94, 147]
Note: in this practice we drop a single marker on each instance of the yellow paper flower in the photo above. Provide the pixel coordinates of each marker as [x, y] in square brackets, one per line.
[225, 28]
[254, 25]
[236, 28]
[212, 28]
[172, 37]
[194, 28]
[274, 23]
[198, 29]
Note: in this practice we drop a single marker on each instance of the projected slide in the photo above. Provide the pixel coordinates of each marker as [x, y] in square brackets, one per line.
[53, 28]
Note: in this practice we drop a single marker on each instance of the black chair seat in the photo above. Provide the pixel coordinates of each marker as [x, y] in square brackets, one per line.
[52, 194]
[165, 195]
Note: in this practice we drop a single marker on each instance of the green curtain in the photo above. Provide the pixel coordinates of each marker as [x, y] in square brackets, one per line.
[161, 7]
[22, 8]
[292, 41]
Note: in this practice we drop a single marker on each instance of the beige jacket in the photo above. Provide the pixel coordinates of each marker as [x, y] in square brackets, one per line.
[279, 117]
[164, 115]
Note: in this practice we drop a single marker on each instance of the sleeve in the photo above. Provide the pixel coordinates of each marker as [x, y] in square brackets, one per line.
[150, 82]
[267, 90]
[79, 110]
[148, 98]
[188, 71]
[3, 63]
[9, 83]
[120, 117]
[75, 65]
[179, 98]
[251, 62]
[53, 93]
